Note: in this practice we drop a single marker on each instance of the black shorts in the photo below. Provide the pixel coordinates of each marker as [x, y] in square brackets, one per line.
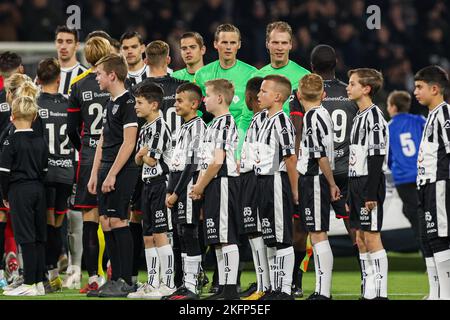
[136, 199]
[155, 218]
[250, 222]
[186, 211]
[57, 196]
[221, 209]
[315, 198]
[115, 204]
[435, 200]
[83, 199]
[28, 212]
[339, 205]
[360, 217]
[275, 205]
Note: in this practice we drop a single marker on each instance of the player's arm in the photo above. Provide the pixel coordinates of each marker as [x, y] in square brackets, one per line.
[92, 184]
[74, 119]
[213, 169]
[296, 115]
[376, 154]
[6, 160]
[287, 145]
[291, 168]
[124, 154]
[156, 147]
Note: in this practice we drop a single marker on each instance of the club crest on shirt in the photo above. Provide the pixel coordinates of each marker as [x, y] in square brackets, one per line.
[376, 127]
[429, 131]
[447, 124]
[115, 108]
[309, 132]
[352, 159]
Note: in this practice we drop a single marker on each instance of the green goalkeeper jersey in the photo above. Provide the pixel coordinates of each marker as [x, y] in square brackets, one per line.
[183, 74]
[238, 74]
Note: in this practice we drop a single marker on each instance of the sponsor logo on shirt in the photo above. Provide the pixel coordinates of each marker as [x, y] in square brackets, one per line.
[4, 107]
[87, 96]
[43, 113]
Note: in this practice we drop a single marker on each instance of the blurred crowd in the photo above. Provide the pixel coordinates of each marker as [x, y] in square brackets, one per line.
[413, 33]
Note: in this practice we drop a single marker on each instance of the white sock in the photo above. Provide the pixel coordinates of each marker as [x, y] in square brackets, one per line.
[152, 259]
[380, 271]
[260, 261]
[165, 254]
[93, 279]
[442, 260]
[273, 267]
[183, 263]
[286, 260]
[220, 266]
[52, 274]
[324, 271]
[192, 269]
[433, 279]
[75, 236]
[368, 280]
[231, 263]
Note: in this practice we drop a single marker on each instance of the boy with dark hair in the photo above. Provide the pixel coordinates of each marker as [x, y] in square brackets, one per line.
[249, 215]
[405, 134]
[369, 146]
[113, 172]
[84, 126]
[67, 43]
[184, 172]
[60, 176]
[219, 183]
[154, 150]
[192, 50]
[23, 164]
[275, 165]
[316, 183]
[433, 180]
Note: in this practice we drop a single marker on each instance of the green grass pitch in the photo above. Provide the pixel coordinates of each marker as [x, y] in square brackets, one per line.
[407, 280]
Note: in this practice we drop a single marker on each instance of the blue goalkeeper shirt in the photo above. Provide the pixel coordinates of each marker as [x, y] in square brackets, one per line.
[405, 133]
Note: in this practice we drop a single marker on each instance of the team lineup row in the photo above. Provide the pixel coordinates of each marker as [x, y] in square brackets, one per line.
[237, 176]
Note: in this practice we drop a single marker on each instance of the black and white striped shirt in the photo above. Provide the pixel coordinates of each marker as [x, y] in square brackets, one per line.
[187, 145]
[433, 160]
[248, 151]
[156, 136]
[369, 137]
[67, 76]
[136, 77]
[222, 134]
[275, 140]
[317, 141]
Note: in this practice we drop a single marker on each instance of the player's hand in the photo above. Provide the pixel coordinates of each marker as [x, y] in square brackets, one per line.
[108, 184]
[335, 193]
[6, 203]
[171, 200]
[142, 152]
[371, 205]
[196, 192]
[92, 185]
[347, 208]
[238, 166]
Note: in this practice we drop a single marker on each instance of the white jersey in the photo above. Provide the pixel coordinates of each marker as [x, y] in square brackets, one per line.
[248, 152]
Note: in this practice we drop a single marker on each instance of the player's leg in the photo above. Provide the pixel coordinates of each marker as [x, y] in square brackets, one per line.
[91, 248]
[315, 211]
[3, 282]
[136, 227]
[436, 206]
[300, 237]
[371, 223]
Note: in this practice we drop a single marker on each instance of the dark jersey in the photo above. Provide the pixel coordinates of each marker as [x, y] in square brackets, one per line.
[118, 115]
[24, 157]
[5, 111]
[85, 111]
[53, 113]
[342, 111]
[167, 110]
